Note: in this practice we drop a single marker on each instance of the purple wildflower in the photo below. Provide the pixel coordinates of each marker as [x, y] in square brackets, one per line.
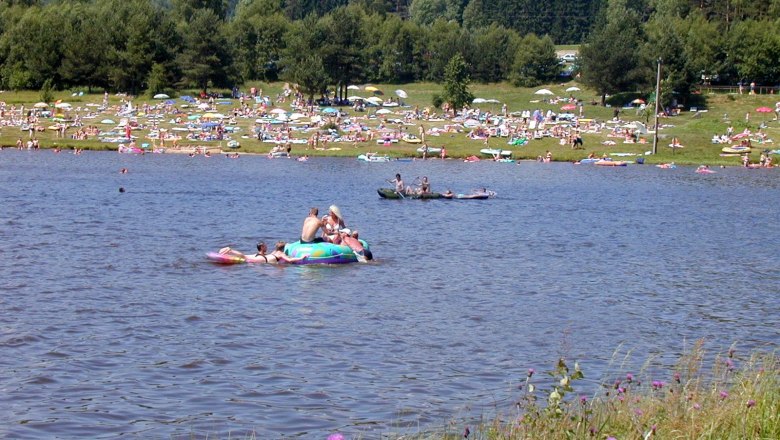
[336, 436]
[629, 377]
[466, 432]
[696, 406]
[593, 431]
[584, 400]
[676, 377]
[724, 394]
[657, 384]
[751, 403]
[531, 372]
[638, 412]
[611, 438]
[730, 364]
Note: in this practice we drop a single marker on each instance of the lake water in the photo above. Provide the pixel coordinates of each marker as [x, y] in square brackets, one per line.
[112, 322]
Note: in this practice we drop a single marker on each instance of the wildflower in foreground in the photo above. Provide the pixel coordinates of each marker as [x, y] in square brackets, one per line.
[466, 432]
[724, 394]
[336, 436]
[751, 403]
[629, 377]
[531, 372]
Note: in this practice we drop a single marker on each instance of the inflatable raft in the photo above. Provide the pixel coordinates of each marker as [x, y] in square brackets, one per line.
[322, 253]
[389, 193]
[216, 257]
[373, 157]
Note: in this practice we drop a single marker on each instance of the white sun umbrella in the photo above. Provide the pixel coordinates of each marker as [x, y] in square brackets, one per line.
[479, 100]
[493, 101]
[374, 100]
[353, 87]
[278, 111]
[296, 116]
[401, 94]
[63, 105]
[573, 89]
[161, 96]
[355, 98]
[383, 111]
[40, 105]
[543, 92]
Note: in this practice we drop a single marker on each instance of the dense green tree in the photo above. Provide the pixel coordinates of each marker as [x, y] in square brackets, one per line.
[185, 9]
[138, 34]
[475, 15]
[535, 62]
[298, 9]
[33, 49]
[611, 61]
[493, 49]
[342, 45]
[301, 63]
[402, 50]
[425, 12]
[47, 91]
[83, 47]
[754, 50]
[445, 40]
[456, 83]
[205, 59]
[158, 81]
[257, 39]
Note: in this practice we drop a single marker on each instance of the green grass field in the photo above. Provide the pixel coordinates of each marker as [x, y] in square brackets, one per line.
[693, 130]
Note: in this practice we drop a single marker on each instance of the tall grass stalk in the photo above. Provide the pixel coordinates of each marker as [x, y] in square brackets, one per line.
[725, 398]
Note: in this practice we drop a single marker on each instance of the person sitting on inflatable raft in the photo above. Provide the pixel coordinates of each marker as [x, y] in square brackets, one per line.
[336, 245]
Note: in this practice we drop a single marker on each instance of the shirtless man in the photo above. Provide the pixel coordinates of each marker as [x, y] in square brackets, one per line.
[311, 225]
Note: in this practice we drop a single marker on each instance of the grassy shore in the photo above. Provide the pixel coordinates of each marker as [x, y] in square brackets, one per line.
[731, 398]
[694, 130]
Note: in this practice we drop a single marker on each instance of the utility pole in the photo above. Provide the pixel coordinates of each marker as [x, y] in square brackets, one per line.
[657, 101]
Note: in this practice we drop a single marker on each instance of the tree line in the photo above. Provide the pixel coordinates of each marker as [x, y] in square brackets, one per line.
[159, 46]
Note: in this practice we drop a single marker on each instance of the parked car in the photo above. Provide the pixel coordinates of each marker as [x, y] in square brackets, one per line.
[569, 57]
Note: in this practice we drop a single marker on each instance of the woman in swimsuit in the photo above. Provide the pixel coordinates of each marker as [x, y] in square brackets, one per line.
[277, 256]
[280, 257]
